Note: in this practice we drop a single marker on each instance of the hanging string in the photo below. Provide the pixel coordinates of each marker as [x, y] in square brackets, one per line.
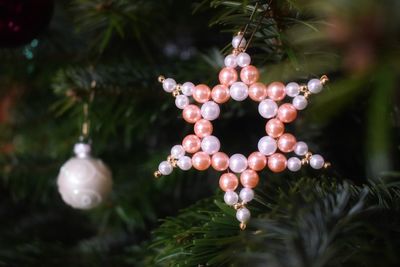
[85, 130]
[257, 26]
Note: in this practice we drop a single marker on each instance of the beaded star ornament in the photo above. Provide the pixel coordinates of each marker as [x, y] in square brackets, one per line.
[276, 151]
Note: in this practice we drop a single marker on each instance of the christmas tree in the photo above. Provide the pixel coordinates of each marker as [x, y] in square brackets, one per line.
[72, 68]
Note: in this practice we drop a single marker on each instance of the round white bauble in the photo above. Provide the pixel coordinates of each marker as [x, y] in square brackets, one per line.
[84, 182]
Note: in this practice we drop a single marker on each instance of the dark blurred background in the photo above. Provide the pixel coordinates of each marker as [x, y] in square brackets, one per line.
[51, 51]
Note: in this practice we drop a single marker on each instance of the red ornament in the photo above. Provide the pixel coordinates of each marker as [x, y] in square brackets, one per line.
[23, 20]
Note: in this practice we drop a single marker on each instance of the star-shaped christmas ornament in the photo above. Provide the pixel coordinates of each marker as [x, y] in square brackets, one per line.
[202, 150]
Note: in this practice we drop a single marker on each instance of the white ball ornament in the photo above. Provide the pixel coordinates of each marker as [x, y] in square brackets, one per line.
[84, 182]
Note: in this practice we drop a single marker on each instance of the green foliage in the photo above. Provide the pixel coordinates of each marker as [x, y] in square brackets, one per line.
[117, 49]
[305, 222]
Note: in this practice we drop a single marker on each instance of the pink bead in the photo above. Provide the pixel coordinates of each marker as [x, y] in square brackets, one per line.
[203, 128]
[274, 128]
[227, 76]
[191, 143]
[277, 162]
[220, 94]
[257, 161]
[249, 74]
[228, 181]
[201, 93]
[191, 113]
[249, 178]
[201, 161]
[257, 91]
[276, 91]
[286, 142]
[287, 113]
[220, 161]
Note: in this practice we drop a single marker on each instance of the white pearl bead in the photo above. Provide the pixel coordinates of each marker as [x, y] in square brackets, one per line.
[165, 168]
[231, 198]
[210, 110]
[184, 163]
[243, 59]
[230, 61]
[210, 144]
[314, 86]
[243, 215]
[181, 101]
[187, 88]
[317, 161]
[84, 182]
[267, 108]
[300, 148]
[169, 85]
[239, 91]
[294, 164]
[82, 150]
[292, 89]
[238, 39]
[177, 151]
[300, 102]
[237, 163]
[246, 194]
[267, 145]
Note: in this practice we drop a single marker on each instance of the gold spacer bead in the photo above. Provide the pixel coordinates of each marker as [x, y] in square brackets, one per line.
[308, 155]
[307, 94]
[304, 161]
[324, 79]
[240, 32]
[175, 93]
[242, 226]
[157, 174]
[161, 79]
[327, 165]
[238, 205]
[303, 88]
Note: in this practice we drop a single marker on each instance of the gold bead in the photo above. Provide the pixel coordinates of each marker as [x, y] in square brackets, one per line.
[304, 161]
[240, 32]
[307, 94]
[242, 226]
[157, 174]
[303, 88]
[175, 93]
[238, 205]
[308, 155]
[161, 79]
[327, 165]
[324, 79]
